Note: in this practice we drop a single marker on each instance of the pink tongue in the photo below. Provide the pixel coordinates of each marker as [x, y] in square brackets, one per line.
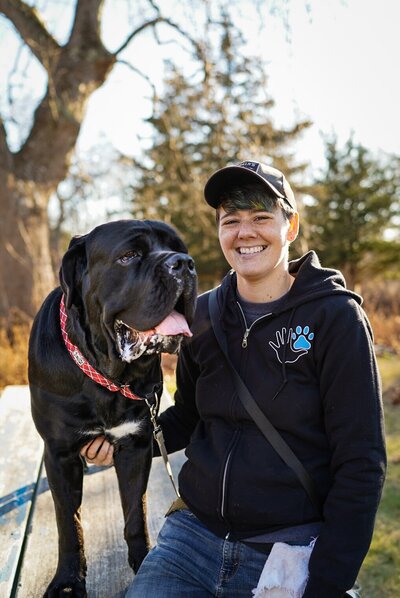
[173, 324]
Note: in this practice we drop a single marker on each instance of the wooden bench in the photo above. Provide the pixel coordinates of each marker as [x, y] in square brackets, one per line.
[28, 537]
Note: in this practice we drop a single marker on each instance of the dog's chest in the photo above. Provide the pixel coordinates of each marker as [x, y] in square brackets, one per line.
[116, 432]
[115, 419]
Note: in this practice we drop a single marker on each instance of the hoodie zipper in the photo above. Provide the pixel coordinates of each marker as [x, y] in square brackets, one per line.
[237, 432]
[248, 328]
[225, 474]
[224, 484]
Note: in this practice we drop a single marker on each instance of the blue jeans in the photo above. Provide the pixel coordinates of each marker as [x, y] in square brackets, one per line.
[190, 561]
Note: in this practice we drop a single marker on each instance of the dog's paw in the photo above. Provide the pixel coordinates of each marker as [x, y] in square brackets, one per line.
[135, 558]
[61, 589]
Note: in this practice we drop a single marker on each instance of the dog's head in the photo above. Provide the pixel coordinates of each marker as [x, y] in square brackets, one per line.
[132, 286]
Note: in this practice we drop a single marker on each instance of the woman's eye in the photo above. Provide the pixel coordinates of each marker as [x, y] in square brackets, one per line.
[129, 256]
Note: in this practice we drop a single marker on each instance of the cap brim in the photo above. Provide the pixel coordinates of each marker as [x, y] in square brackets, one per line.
[228, 176]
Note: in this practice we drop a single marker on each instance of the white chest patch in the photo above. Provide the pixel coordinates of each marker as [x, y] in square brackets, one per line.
[123, 429]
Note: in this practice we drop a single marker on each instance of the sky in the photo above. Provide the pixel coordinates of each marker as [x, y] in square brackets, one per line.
[336, 64]
[341, 69]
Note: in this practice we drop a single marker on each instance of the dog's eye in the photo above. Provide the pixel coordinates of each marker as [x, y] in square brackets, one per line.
[129, 256]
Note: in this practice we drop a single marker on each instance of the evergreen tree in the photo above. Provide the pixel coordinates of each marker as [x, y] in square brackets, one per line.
[202, 125]
[355, 203]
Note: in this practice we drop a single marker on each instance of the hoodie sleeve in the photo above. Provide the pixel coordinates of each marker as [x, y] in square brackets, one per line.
[353, 417]
[179, 421]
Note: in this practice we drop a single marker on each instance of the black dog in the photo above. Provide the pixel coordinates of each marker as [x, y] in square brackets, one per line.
[127, 293]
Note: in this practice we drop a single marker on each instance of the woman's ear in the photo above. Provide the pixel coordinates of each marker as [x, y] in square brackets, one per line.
[293, 230]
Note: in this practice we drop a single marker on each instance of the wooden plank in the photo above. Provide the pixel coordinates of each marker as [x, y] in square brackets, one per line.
[20, 459]
[103, 528]
[108, 572]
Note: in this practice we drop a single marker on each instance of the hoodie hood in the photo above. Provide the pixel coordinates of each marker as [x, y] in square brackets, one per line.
[312, 281]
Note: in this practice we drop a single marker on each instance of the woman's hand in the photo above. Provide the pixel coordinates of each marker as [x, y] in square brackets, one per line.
[99, 451]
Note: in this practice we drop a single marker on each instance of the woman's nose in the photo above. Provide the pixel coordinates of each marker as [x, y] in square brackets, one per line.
[246, 229]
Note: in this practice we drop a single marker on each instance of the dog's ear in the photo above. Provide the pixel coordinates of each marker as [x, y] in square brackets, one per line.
[73, 265]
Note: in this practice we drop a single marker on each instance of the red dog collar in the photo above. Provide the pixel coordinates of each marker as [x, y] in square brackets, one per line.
[85, 366]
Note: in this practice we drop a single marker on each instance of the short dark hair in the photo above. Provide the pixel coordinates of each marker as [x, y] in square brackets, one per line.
[252, 197]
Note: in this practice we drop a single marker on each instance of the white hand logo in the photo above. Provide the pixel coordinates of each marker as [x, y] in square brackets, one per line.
[297, 344]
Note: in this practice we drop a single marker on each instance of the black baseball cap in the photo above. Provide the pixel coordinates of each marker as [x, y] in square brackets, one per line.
[248, 172]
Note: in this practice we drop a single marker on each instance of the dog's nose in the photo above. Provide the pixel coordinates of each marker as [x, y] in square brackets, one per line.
[179, 263]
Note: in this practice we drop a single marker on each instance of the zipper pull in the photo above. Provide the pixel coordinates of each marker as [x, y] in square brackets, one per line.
[244, 341]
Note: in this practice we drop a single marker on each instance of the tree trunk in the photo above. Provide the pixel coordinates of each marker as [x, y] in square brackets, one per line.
[29, 176]
[26, 274]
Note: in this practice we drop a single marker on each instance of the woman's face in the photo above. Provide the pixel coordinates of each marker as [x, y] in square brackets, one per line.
[255, 242]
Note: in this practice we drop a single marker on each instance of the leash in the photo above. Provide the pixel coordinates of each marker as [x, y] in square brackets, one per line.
[159, 437]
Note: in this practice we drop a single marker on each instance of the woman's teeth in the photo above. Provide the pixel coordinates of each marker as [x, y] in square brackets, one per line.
[251, 249]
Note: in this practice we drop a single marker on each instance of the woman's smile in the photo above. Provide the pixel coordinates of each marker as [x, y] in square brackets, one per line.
[251, 250]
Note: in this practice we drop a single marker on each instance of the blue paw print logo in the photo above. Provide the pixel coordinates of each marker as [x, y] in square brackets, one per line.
[291, 344]
[301, 338]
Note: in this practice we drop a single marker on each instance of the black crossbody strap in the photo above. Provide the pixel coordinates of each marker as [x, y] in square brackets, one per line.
[252, 408]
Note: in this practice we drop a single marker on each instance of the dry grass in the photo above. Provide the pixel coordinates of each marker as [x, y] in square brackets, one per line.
[386, 332]
[14, 354]
[14, 357]
[382, 304]
[382, 296]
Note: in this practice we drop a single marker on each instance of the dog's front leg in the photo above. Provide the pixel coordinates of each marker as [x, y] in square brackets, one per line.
[132, 463]
[65, 475]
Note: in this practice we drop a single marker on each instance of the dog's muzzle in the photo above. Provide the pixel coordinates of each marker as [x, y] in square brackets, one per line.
[166, 337]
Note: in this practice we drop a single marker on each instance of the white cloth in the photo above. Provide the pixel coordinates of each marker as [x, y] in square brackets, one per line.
[285, 572]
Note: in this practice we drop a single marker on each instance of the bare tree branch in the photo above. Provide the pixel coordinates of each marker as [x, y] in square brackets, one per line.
[154, 98]
[10, 85]
[74, 72]
[86, 22]
[171, 42]
[155, 6]
[140, 73]
[199, 50]
[135, 32]
[32, 30]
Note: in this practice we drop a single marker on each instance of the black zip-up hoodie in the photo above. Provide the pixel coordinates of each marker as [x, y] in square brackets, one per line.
[311, 368]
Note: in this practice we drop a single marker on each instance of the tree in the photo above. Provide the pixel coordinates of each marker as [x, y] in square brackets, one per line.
[74, 69]
[355, 203]
[202, 124]
[30, 175]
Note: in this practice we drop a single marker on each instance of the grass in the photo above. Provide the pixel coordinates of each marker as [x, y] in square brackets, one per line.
[389, 367]
[380, 573]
